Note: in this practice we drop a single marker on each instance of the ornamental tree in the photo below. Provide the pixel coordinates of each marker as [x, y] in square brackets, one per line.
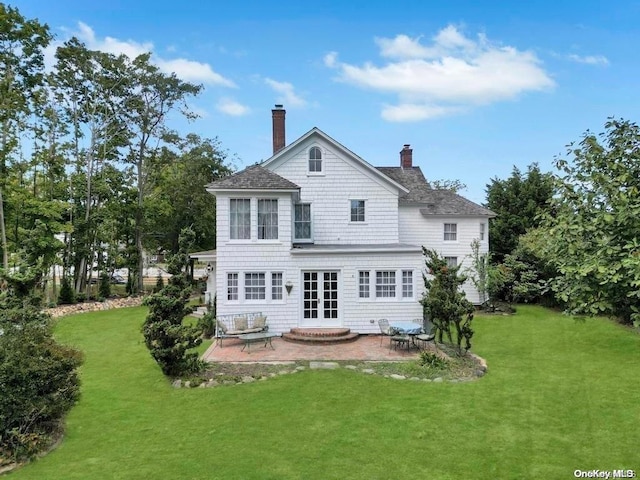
[168, 339]
[445, 302]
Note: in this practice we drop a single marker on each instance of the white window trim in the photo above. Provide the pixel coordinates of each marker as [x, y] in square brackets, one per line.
[372, 298]
[366, 202]
[483, 232]
[321, 172]
[444, 232]
[293, 223]
[268, 286]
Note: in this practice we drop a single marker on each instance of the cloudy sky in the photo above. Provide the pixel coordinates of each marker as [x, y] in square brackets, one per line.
[474, 87]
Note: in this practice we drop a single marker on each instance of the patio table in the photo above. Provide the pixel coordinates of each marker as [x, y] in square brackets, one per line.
[407, 328]
[250, 338]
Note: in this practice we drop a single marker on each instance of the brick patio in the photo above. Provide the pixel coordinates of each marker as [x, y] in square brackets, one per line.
[366, 348]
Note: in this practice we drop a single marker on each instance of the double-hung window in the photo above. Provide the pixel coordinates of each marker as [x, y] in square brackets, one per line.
[450, 232]
[363, 285]
[407, 284]
[254, 286]
[452, 262]
[386, 284]
[276, 286]
[315, 160]
[357, 210]
[302, 221]
[267, 219]
[483, 227]
[232, 286]
[240, 219]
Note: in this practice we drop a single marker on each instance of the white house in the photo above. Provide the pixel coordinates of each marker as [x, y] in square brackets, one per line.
[315, 236]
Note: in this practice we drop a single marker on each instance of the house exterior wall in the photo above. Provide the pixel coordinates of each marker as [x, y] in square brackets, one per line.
[417, 229]
[330, 192]
[360, 315]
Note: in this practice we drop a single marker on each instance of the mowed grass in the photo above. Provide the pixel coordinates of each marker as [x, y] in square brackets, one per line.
[560, 395]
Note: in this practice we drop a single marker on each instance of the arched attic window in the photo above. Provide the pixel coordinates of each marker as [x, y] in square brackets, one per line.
[315, 160]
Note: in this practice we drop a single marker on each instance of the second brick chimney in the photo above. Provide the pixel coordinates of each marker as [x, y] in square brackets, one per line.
[279, 142]
[406, 156]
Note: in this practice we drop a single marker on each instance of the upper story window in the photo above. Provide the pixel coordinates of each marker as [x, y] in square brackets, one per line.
[240, 219]
[483, 228]
[450, 232]
[357, 210]
[267, 219]
[302, 221]
[315, 160]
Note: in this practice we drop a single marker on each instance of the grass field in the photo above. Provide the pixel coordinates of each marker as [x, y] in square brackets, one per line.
[560, 395]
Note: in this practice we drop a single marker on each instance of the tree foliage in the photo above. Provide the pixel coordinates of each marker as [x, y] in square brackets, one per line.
[517, 201]
[593, 237]
[445, 302]
[169, 340]
[38, 377]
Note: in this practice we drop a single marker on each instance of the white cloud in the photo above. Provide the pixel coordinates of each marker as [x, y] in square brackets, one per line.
[589, 59]
[413, 113]
[188, 70]
[231, 107]
[288, 96]
[450, 74]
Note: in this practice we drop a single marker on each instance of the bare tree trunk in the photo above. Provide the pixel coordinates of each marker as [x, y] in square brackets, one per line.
[3, 234]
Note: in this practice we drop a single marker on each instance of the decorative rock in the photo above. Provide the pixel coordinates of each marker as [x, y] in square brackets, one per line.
[368, 370]
[273, 374]
[426, 379]
[283, 372]
[415, 379]
[248, 379]
[397, 377]
[438, 380]
[187, 384]
[202, 385]
[300, 368]
[177, 383]
[351, 367]
[323, 365]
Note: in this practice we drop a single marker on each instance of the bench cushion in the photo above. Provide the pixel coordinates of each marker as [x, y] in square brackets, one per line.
[242, 332]
[260, 321]
[241, 323]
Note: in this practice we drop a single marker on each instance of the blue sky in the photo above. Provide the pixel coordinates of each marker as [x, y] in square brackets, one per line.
[474, 87]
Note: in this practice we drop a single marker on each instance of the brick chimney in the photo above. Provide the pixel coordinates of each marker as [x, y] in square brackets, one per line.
[279, 141]
[406, 156]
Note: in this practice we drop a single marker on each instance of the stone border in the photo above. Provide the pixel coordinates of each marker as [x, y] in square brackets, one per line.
[318, 365]
[63, 310]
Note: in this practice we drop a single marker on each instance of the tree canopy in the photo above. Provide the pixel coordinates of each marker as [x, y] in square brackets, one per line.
[517, 201]
[593, 236]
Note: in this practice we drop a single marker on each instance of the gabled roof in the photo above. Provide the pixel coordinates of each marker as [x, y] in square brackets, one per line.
[433, 201]
[366, 166]
[254, 177]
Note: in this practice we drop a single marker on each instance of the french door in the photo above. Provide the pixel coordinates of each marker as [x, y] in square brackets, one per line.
[320, 299]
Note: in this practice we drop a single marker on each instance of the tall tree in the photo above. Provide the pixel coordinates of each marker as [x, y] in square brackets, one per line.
[593, 236]
[177, 195]
[22, 43]
[153, 96]
[518, 201]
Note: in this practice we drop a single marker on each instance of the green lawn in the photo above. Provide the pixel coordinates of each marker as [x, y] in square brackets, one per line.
[560, 395]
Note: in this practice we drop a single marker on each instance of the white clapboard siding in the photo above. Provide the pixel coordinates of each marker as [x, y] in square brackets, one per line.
[330, 193]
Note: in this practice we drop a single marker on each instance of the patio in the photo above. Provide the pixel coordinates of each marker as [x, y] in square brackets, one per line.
[365, 348]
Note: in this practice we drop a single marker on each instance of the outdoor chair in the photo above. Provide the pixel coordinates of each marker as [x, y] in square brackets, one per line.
[401, 340]
[428, 335]
[385, 330]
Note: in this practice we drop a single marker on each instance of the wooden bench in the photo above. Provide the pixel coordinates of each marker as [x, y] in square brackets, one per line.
[232, 326]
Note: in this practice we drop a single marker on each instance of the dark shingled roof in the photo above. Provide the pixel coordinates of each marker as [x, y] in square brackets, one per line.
[253, 178]
[432, 201]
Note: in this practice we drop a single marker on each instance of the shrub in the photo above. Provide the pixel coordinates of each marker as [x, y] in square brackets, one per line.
[431, 360]
[39, 382]
[67, 295]
[159, 283]
[168, 339]
[207, 325]
[104, 290]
